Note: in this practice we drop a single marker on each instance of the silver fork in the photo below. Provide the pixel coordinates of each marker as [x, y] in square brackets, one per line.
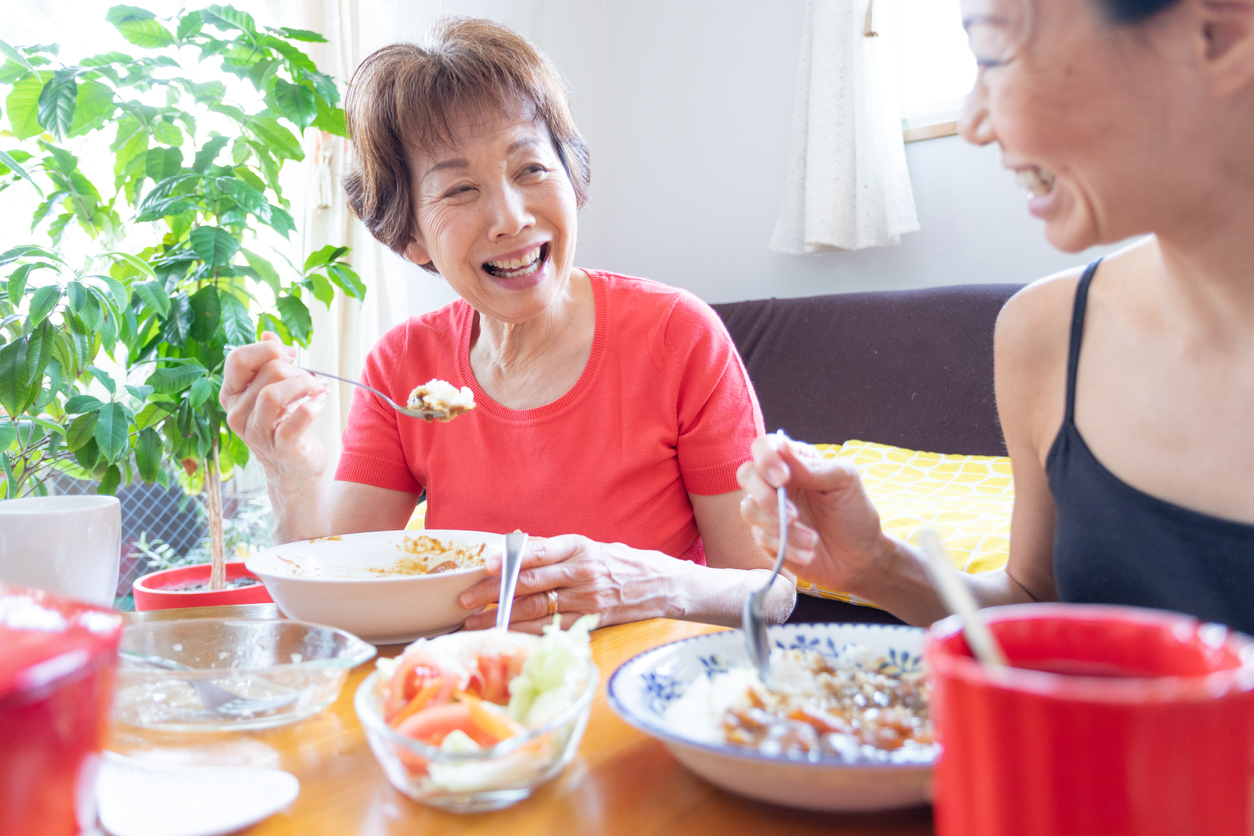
[755, 604]
[214, 698]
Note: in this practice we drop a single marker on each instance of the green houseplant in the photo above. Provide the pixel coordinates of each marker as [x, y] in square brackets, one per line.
[111, 356]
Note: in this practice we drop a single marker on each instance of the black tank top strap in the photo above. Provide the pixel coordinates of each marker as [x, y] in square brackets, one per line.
[1077, 334]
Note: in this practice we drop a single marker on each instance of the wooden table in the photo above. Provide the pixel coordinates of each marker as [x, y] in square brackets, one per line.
[622, 782]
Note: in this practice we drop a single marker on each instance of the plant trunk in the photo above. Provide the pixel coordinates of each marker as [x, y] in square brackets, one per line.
[213, 492]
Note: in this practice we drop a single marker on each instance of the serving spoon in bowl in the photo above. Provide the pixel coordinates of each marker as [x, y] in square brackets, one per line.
[215, 698]
[958, 599]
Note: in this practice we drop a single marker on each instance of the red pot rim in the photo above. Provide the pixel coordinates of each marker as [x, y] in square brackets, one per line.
[234, 569]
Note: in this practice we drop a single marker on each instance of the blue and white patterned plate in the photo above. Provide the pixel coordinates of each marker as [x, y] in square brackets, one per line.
[643, 687]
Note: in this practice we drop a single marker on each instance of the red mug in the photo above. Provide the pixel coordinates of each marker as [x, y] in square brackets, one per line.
[1110, 721]
[56, 688]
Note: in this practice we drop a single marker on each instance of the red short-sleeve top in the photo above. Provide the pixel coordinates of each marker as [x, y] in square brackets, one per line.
[664, 408]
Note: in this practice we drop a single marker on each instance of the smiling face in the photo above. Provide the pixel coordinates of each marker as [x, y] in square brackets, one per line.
[1086, 113]
[496, 215]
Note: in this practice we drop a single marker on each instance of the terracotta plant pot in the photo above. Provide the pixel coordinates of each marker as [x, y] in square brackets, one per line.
[153, 592]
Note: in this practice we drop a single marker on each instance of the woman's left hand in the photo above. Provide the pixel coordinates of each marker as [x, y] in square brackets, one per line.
[578, 576]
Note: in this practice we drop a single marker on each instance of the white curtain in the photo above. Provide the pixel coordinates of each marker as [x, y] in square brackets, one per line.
[848, 186]
[343, 335]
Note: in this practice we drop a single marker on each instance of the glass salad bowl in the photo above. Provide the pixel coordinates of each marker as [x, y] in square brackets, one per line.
[463, 776]
[263, 673]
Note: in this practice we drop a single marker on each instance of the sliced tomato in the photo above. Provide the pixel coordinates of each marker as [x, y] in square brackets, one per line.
[414, 673]
[433, 724]
[495, 670]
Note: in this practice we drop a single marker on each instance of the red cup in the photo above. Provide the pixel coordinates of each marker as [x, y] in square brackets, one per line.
[1149, 729]
[56, 688]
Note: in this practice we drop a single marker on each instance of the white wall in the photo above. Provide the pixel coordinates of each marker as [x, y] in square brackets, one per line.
[687, 106]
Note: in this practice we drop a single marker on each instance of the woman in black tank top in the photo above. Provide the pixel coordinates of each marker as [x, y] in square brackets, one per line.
[1126, 394]
[1116, 544]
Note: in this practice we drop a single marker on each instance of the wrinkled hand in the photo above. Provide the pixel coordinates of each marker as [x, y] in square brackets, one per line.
[271, 405]
[615, 581]
[835, 539]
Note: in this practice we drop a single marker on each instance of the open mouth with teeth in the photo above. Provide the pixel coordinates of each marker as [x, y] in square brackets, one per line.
[1036, 181]
[523, 265]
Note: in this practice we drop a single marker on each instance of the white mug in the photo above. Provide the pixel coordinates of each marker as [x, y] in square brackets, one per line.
[70, 545]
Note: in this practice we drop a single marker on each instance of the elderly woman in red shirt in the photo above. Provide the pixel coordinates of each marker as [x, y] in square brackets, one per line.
[612, 412]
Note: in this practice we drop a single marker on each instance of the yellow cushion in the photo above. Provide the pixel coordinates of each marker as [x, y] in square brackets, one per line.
[966, 499]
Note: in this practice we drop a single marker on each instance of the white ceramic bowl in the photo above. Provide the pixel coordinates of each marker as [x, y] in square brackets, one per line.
[642, 688]
[342, 593]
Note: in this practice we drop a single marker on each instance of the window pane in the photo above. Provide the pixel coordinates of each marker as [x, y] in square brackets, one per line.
[935, 67]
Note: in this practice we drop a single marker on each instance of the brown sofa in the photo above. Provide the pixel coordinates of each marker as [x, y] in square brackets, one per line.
[911, 368]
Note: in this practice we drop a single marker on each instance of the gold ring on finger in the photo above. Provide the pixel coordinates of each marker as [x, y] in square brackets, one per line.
[552, 596]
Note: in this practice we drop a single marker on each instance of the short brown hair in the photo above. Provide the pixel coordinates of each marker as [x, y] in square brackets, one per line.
[404, 97]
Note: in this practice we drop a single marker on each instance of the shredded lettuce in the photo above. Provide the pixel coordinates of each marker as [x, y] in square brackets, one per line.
[551, 678]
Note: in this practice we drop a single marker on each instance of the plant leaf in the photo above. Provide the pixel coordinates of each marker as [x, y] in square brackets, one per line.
[15, 56]
[206, 313]
[296, 317]
[154, 296]
[265, 270]
[281, 142]
[145, 32]
[17, 283]
[226, 17]
[22, 105]
[170, 381]
[138, 263]
[214, 245]
[200, 392]
[322, 289]
[27, 250]
[92, 106]
[21, 172]
[81, 404]
[296, 101]
[15, 394]
[8, 433]
[189, 25]
[109, 482]
[10, 484]
[43, 302]
[106, 380]
[58, 101]
[209, 152]
[148, 454]
[237, 326]
[81, 431]
[323, 256]
[163, 162]
[347, 280]
[302, 35]
[39, 352]
[111, 431]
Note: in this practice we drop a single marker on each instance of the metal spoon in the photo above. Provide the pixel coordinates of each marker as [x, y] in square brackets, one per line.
[214, 698]
[755, 605]
[959, 600]
[424, 414]
[511, 564]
